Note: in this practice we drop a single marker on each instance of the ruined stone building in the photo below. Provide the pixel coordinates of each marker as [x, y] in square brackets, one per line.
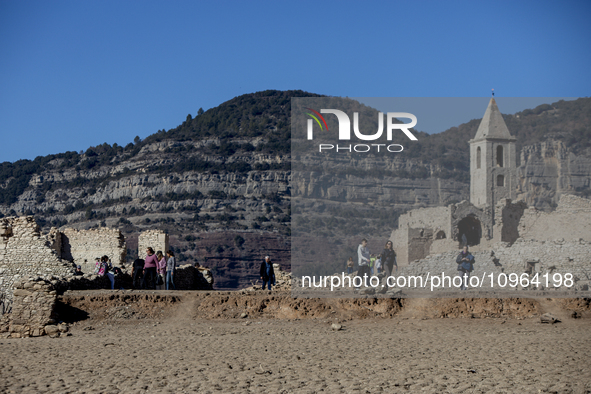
[25, 252]
[155, 239]
[496, 221]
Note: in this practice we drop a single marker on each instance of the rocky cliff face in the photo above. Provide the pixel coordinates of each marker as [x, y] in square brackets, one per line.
[224, 220]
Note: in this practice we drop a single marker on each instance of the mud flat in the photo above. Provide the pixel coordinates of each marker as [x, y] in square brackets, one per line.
[228, 342]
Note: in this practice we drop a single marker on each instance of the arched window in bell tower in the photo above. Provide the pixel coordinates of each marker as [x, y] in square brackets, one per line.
[500, 156]
[478, 156]
[500, 180]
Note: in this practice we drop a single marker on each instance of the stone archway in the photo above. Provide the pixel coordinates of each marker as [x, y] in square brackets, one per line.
[471, 228]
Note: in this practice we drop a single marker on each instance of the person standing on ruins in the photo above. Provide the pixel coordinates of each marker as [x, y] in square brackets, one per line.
[170, 267]
[161, 270]
[109, 270]
[267, 272]
[150, 264]
[378, 264]
[363, 257]
[97, 265]
[350, 265]
[137, 273]
[389, 259]
[465, 262]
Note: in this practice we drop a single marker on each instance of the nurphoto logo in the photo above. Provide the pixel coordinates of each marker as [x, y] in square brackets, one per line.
[344, 133]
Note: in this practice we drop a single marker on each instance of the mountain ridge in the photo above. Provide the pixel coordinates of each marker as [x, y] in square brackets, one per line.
[228, 171]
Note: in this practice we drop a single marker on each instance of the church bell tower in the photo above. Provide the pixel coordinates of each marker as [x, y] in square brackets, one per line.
[493, 166]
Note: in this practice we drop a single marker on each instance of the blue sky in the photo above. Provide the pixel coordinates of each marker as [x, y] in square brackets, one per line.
[74, 74]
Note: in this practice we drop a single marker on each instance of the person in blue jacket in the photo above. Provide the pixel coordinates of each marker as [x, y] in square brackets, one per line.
[465, 262]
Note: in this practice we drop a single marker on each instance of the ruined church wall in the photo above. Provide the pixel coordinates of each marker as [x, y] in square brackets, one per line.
[571, 221]
[417, 230]
[81, 245]
[548, 257]
[549, 169]
[24, 252]
[507, 218]
[437, 218]
[156, 239]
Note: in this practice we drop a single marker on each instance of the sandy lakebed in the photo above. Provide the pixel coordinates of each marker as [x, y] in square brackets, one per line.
[227, 343]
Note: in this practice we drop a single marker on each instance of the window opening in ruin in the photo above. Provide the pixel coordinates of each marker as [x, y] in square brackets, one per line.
[469, 231]
[440, 235]
[530, 267]
[478, 155]
[500, 156]
[500, 180]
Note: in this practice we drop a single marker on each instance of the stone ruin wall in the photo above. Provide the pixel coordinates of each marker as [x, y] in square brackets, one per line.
[507, 217]
[32, 272]
[33, 311]
[426, 231]
[571, 221]
[548, 170]
[25, 252]
[187, 277]
[544, 256]
[555, 242]
[81, 245]
[417, 230]
[156, 239]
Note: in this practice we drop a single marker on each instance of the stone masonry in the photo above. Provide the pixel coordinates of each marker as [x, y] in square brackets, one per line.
[156, 239]
[493, 166]
[555, 242]
[83, 246]
[571, 221]
[187, 277]
[33, 311]
[25, 252]
[491, 221]
[524, 256]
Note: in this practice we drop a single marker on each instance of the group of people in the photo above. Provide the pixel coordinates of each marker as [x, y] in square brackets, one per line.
[385, 262]
[374, 264]
[155, 271]
[103, 267]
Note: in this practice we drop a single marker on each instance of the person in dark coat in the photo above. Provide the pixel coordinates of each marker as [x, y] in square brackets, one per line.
[465, 262]
[137, 273]
[267, 273]
[389, 259]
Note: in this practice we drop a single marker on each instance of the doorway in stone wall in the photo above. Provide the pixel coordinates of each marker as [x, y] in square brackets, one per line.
[469, 231]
